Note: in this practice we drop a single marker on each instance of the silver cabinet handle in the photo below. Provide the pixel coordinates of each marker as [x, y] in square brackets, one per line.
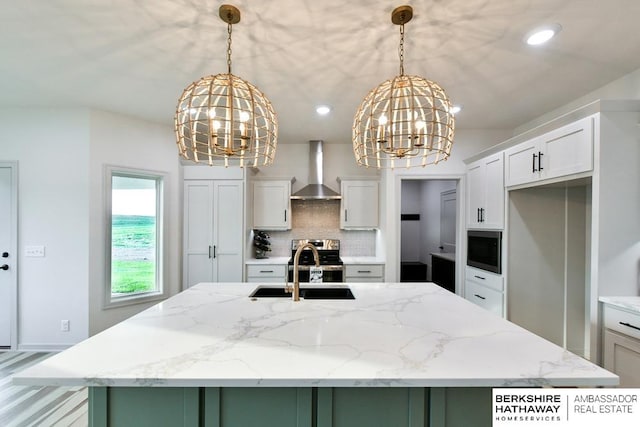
[268, 271]
[209, 251]
[364, 271]
[479, 296]
[285, 215]
[4, 267]
[480, 277]
[346, 216]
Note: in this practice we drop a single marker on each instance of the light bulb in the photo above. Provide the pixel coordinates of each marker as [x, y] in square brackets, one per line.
[244, 116]
[382, 120]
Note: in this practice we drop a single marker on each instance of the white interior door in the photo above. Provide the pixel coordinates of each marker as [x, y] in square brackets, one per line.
[8, 255]
[448, 208]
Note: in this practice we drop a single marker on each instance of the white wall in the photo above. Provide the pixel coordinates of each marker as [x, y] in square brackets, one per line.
[53, 199]
[133, 143]
[626, 87]
[292, 160]
[430, 217]
[60, 154]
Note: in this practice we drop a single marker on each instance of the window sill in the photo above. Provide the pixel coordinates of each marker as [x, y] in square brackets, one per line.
[141, 298]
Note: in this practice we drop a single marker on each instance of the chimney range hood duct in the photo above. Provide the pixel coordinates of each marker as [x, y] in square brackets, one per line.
[316, 190]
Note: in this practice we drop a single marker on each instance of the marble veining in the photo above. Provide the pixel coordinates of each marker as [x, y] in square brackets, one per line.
[391, 335]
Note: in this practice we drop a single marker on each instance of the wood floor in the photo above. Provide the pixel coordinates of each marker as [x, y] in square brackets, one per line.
[38, 406]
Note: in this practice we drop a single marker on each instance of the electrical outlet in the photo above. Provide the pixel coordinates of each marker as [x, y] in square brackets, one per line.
[34, 251]
[64, 325]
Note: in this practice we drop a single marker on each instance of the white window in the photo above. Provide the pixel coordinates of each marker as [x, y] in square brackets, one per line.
[135, 237]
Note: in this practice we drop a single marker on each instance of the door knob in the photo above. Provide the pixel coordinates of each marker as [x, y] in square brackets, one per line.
[5, 254]
[4, 267]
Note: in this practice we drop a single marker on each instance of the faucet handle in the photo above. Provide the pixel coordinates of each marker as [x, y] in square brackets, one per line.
[288, 288]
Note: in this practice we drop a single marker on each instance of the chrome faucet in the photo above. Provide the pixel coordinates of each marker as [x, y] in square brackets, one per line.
[296, 266]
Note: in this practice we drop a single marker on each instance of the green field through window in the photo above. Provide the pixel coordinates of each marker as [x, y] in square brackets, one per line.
[134, 232]
[133, 248]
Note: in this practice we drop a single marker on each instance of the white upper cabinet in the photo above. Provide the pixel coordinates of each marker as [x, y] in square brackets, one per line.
[564, 151]
[485, 193]
[272, 205]
[359, 204]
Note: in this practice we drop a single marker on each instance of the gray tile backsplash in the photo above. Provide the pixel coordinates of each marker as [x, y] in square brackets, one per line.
[320, 219]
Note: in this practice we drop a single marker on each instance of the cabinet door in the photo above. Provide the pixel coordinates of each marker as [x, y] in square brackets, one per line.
[359, 205]
[567, 150]
[521, 163]
[486, 298]
[198, 229]
[485, 193]
[227, 231]
[271, 205]
[492, 215]
[622, 357]
[475, 192]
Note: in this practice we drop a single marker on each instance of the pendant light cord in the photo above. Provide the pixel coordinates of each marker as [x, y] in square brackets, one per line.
[401, 50]
[229, 30]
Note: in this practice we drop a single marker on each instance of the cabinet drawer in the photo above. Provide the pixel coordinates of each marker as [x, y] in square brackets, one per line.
[485, 278]
[486, 298]
[622, 321]
[267, 270]
[364, 270]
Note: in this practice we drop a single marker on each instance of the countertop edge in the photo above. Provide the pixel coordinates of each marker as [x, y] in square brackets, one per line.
[631, 304]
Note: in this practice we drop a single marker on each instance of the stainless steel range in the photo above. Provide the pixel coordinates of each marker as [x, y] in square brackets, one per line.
[330, 262]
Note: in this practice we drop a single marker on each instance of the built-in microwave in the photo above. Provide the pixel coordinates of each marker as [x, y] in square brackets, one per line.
[484, 250]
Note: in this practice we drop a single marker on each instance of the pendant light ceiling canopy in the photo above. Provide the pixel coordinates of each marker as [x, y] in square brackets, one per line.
[223, 120]
[406, 121]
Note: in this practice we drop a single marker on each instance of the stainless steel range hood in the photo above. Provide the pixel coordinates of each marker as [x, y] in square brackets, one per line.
[316, 190]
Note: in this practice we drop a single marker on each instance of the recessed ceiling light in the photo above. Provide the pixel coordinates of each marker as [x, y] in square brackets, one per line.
[456, 109]
[323, 110]
[542, 35]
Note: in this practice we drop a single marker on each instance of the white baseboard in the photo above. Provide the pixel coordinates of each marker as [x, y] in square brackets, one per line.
[43, 347]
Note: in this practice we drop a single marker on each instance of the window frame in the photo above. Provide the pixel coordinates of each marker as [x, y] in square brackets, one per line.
[162, 289]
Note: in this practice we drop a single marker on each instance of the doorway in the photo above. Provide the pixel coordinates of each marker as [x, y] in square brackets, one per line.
[428, 225]
[8, 253]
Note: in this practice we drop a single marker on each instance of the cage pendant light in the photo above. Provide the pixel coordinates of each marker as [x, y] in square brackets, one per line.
[223, 120]
[406, 121]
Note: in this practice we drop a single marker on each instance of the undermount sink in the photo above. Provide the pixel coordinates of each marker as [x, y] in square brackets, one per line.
[306, 293]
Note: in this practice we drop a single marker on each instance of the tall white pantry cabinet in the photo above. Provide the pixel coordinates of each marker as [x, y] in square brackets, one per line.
[213, 225]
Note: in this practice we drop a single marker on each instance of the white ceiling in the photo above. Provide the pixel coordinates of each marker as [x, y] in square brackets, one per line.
[136, 56]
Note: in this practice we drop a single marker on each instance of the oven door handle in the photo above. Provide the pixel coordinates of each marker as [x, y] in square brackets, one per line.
[323, 267]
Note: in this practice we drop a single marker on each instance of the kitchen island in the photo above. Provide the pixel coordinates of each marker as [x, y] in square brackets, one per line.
[409, 354]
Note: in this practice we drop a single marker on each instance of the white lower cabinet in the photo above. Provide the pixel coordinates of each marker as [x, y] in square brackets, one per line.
[485, 289]
[622, 345]
[364, 273]
[267, 273]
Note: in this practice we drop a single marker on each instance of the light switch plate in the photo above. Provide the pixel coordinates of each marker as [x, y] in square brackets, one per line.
[34, 251]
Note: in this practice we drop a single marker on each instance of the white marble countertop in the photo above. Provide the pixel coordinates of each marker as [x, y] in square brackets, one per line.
[628, 303]
[451, 256]
[362, 260]
[392, 334]
[345, 259]
[268, 261]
